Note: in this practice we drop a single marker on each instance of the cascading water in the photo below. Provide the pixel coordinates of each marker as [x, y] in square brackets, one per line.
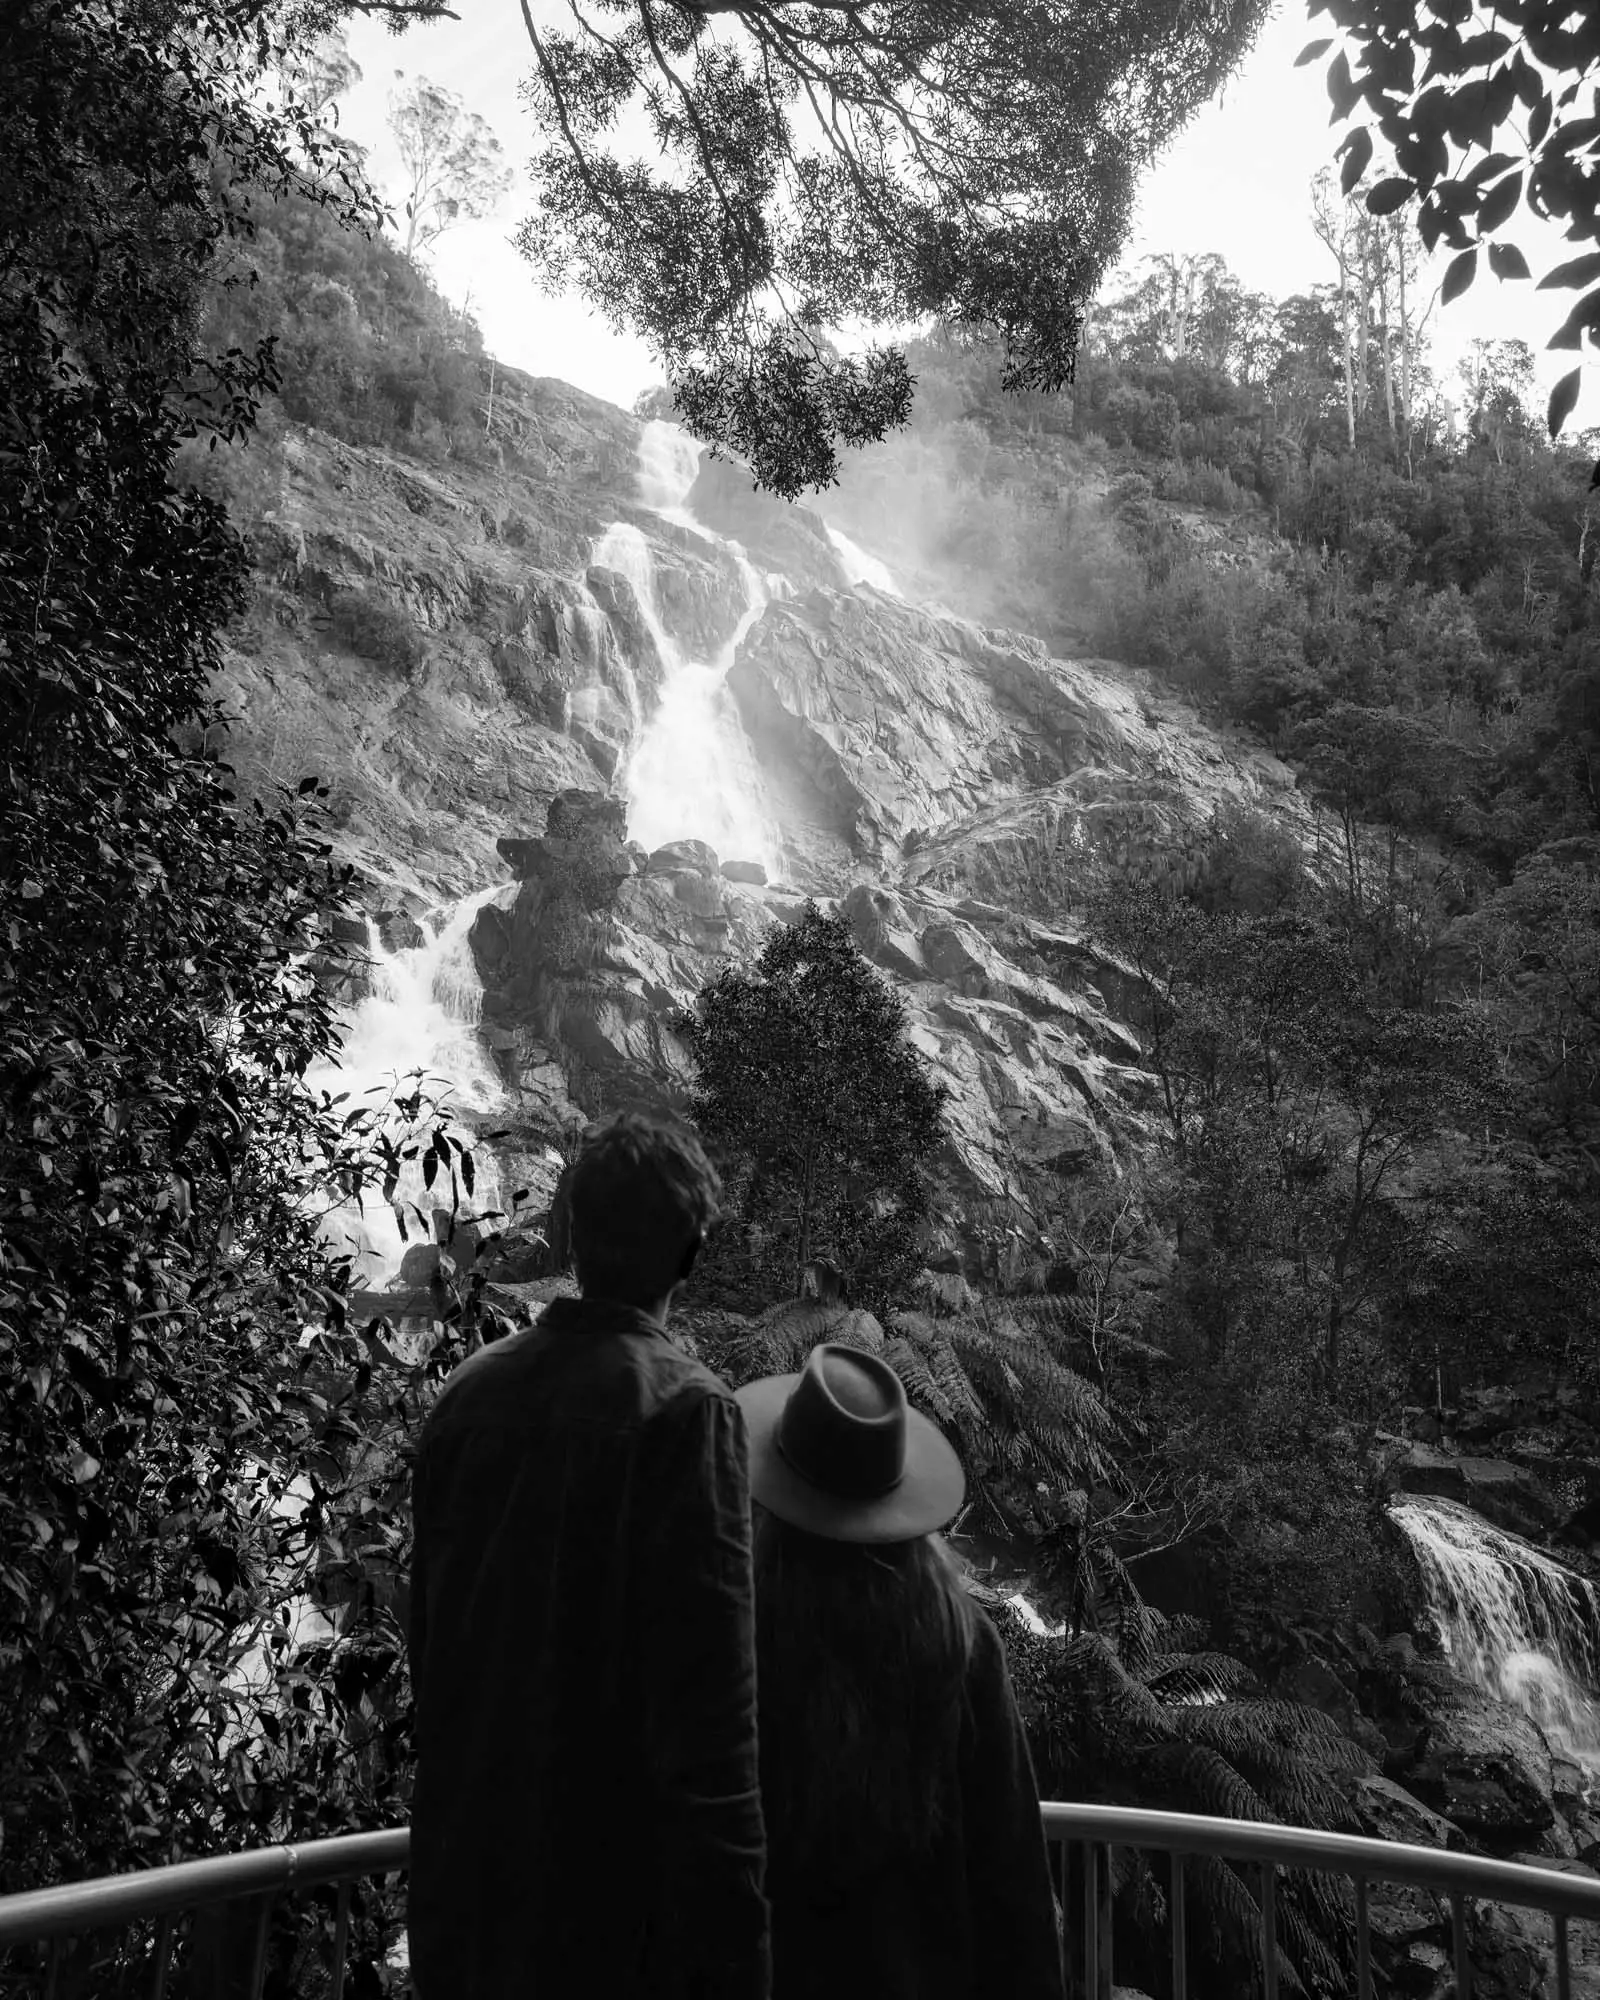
[692, 775]
[669, 464]
[1513, 1620]
[859, 567]
[420, 1015]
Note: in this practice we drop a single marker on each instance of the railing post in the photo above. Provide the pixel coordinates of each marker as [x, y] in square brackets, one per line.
[1179, 1920]
[258, 1948]
[1458, 1929]
[163, 1960]
[1363, 1942]
[1269, 1930]
[1091, 1923]
[1103, 1919]
[341, 1939]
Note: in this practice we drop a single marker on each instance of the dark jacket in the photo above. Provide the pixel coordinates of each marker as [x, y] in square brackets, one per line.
[587, 1817]
[973, 1918]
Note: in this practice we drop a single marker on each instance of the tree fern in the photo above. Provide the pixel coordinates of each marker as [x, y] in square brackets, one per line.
[778, 1342]
[1197, 1677]
[1124, 1708]
[1197, 1778]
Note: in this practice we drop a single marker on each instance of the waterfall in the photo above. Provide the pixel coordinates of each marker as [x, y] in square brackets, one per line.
[859, 567]
[421, 1015]
[692, 774]
[1513, 1620]
[669, 463]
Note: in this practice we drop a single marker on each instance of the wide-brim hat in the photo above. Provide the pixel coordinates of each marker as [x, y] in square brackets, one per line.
[837, 1450]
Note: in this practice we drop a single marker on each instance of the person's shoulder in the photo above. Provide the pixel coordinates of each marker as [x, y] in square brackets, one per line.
[486, 1373]
[686, 1387]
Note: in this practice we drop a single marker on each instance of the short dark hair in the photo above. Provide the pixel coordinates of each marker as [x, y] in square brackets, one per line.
[641, 1194]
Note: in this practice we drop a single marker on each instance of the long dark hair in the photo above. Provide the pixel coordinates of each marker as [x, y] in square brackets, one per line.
[862, 1652]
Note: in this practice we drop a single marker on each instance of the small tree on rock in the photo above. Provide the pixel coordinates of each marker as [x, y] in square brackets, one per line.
[455, 165]
[807, 1080]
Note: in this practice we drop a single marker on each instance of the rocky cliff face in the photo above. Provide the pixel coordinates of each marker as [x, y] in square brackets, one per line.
[456, 648]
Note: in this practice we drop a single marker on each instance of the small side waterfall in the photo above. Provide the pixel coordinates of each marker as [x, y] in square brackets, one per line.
[421, 1015]
[692, 775]
[1513, 1620]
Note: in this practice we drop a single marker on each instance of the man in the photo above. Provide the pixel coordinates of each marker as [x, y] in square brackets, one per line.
[587, 1814]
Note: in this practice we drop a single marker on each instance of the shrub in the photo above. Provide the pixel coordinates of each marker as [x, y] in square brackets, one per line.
[377, 630]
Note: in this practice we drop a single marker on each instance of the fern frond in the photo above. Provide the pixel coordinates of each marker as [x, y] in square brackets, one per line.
[1180, 1632]
[778, 1342]
[858, 1329]
[1186, 1678]
[1235, 1917]
[1208, 1780]
[1325, 1907]
[1087, 1666]
[1242, 1728]
[808, 1320]
[916, 1378]
[1323, 1969]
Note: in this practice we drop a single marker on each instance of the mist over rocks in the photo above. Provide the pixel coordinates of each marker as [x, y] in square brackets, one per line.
[472, 654]
[790, 539]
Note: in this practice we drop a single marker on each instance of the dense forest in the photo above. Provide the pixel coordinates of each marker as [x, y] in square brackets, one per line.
[1375, 1066]
[1274, 507]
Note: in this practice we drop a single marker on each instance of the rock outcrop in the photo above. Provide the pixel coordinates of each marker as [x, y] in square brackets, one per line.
[1505, 1493]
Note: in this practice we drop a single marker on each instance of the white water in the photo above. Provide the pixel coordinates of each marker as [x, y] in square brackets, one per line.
[1031, 1618]
[860, 567]
[1513, 1620]
[669, 464]
[692, 775]
[416, 1029]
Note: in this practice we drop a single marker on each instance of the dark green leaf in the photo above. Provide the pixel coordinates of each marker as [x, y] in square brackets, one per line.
[1584, 317]
[1507, 261]
[1312, 50]
[1577, 271]
[1563, 398]
[1499, 203]
[1358, 157]
[1389, 195]
[1459, 274]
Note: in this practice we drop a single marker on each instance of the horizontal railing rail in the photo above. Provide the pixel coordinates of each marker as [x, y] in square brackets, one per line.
[263, 1875]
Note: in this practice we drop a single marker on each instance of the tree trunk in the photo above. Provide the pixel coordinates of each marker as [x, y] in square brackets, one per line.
[807, 1194]
[1386, 334]
[1405, 350]
[1349, 358]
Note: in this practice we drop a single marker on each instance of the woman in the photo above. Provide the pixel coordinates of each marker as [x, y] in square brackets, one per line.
[905, 1855]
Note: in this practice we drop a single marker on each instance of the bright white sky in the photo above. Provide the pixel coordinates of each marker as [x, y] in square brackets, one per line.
[1237, 181]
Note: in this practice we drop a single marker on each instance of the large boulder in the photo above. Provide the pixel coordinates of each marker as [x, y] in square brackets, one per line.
[1508, 1495]
[1387, 1811]
[693, 857]
[576, 814]
[1487, 1767]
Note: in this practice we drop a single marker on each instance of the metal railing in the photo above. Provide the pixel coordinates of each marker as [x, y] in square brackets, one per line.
[1096, 1830]
[262, 1876]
